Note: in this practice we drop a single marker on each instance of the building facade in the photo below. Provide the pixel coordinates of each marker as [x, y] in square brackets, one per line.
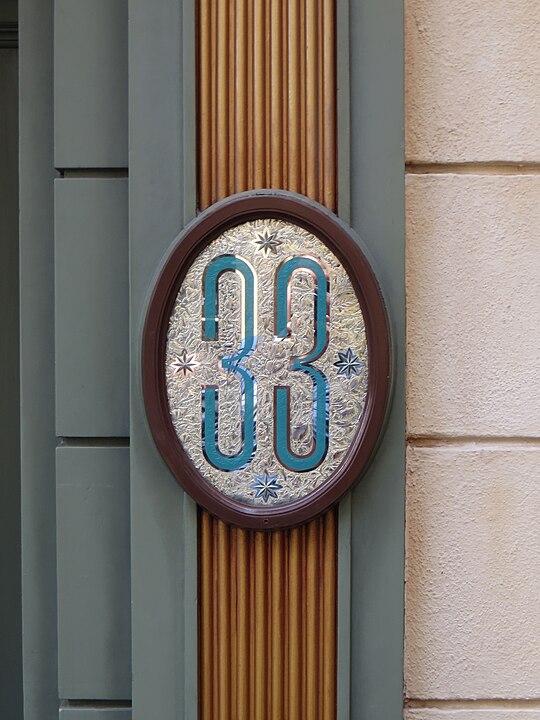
[417, 595]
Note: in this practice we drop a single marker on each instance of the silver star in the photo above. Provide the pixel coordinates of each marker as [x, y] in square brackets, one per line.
[184, 363]
[266, 486]
[268, 243]
[348, 364]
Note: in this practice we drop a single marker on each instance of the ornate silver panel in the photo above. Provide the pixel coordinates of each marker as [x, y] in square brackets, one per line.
[194, 363]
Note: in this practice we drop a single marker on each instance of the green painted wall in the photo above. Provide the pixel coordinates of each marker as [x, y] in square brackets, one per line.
[38, 441]
[108, 539]
[10, 504]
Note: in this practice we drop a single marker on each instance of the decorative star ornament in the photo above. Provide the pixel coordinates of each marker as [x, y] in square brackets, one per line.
[268, 243]
[266, 486]
[348, 364]
[184, 363]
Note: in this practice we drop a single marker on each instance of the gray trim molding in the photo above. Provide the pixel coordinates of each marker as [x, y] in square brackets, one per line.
[162, 201]
[377, 214]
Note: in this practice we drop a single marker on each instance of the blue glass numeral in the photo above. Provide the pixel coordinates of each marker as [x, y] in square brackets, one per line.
[231, 363]
[284, 453]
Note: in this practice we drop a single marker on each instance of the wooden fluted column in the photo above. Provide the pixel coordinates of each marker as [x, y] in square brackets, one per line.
[266, 119]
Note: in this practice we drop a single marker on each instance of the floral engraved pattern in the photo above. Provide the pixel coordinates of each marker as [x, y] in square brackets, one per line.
[268, 243]
[348, 364]
[266, 486]
[193, 363]
[184, 364]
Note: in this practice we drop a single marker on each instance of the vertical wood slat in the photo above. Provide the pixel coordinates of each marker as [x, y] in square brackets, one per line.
[260, 108]
[205, 101]
[240, 155]
[206, 624]
[278, 591]
[266, 98]
[223, 634]
[328, 624]
[266, 118]
[329, 104]
[276, 95]
[242, 611]
[277, 648]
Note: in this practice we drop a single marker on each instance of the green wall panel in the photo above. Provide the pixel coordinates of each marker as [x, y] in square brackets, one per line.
[92, 507]
[98, 713]
[93, 366]
[90, 83]
[91, 264]
[76, 571]
[38, 440]
[10, 490]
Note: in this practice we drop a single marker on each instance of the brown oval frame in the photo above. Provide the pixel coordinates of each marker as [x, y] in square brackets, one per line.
[209, 225]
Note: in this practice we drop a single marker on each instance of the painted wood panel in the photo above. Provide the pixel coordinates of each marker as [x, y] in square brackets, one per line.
[94, 619]
[90, 83]
[377, 214]
[164, 681]
[11, 695]
[97, 713]
[91, 301]
[38, 437]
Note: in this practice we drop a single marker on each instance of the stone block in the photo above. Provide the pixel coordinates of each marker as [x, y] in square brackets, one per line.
[473, 587]
[472, 72]
[473, 305]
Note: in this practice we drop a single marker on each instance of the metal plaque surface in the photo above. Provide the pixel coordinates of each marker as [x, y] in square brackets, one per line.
[267, 381]
[266, 360]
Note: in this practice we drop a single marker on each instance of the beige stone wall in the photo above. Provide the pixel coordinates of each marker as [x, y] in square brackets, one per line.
[472, 648]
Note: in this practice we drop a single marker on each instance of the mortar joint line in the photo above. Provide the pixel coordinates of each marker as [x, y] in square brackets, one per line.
[472, 703]
[96, 704]
[92, 442]
[91, 173]
[473, 168]
[479, 441]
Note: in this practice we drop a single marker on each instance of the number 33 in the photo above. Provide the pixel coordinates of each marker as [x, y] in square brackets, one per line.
[232, 363]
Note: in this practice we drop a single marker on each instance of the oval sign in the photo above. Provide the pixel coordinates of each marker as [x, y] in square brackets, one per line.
[266, 360]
